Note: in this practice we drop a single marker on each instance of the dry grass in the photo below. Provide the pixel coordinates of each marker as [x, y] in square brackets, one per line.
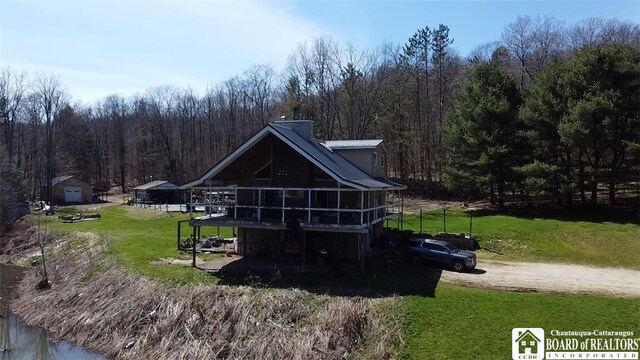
[22, 241]
[198, 321]
[414, 205]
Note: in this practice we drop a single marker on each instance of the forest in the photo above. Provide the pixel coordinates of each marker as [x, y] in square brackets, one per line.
[548, 111]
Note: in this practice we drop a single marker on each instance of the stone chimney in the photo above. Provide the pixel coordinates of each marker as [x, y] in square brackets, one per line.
[303, 128]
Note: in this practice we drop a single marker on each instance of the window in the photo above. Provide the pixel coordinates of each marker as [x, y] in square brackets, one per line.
[532, 343]
[382, 160]
[264, 172]
[440, 248]
[429, 246]
[375, 158]
[523, 343]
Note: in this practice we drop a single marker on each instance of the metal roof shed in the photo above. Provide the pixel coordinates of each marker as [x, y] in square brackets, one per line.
[159, 191]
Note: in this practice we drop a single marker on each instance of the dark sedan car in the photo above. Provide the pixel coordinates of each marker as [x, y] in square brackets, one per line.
[442, 252]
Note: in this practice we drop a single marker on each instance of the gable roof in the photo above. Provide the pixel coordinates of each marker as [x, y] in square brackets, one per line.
[527, 333]
[352, 144]
[339, 168]
[59, 179]
[165, 185]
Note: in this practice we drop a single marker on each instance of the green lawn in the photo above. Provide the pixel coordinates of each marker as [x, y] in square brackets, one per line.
[597, 242]
[458, 322]
[469, 323]
[138, 240]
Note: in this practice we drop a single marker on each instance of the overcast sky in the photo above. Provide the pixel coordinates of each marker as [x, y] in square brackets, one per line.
[104, 47]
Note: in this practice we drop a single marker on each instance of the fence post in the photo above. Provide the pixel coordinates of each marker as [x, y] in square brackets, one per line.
[444, 219]
[420, 221]
[193, 248]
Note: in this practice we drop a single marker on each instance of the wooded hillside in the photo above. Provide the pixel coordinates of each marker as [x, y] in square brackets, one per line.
[548, 110]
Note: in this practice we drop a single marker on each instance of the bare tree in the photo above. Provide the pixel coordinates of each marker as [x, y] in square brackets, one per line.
[533, 43]
[483, 52]
[50, 97]
[12, 93]
[597, 31]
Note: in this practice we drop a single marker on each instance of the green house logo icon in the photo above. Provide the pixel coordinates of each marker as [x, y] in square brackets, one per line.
[527, 343]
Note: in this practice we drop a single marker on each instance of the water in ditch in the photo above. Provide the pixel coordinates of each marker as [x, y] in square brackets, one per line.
[21, 342]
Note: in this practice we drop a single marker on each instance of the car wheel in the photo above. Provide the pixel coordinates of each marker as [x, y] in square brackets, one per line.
[415, 260]
[458, 265]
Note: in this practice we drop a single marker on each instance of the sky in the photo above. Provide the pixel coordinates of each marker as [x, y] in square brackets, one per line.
[125, 47]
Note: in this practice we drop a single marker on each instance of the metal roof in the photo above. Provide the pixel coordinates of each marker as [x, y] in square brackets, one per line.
[353, 144]
[313, 150]
[157, 185]
[330, 162]
[59, 179]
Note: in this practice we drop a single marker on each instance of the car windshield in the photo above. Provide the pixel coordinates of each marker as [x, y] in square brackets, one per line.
[452, 248]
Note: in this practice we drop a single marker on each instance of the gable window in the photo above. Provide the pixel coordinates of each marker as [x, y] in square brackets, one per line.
[264, 172]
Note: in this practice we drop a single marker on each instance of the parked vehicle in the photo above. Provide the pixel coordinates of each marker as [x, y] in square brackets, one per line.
[441, 252]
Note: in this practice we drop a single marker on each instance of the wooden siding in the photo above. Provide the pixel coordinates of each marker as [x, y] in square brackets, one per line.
[288, 168]
[57, 192]
[363, 158]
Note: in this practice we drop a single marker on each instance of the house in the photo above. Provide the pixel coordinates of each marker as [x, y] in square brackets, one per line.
[68, 190]
[291, 191]
[156, 192]
[526, 340]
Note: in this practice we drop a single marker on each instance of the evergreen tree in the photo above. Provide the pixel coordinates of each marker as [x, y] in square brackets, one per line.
[550, 171]
[603, 113]
[481, 133]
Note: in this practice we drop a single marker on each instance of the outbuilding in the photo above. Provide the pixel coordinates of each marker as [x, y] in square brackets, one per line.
[156, 192]
[68, 190]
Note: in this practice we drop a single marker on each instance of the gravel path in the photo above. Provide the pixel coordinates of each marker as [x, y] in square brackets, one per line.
[563, 278]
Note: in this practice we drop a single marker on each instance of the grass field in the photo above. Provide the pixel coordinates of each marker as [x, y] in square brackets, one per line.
[458, 322]
[597, 241]
[469, 323]
[140, 236]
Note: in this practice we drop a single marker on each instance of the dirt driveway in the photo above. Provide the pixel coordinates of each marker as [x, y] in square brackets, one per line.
[563, 278]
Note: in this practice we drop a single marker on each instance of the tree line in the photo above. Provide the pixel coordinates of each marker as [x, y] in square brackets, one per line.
[547, 110]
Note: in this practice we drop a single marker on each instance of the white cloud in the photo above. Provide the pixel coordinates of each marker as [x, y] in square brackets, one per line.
[100, 48]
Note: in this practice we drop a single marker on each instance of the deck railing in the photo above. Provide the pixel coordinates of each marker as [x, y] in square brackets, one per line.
[281, 207]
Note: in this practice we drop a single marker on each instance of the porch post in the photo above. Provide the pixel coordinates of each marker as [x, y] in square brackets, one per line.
[179, 223]
[235, 205]
[259, 203]
[304, 248]
[361, 207]
[338, 204]
[309, 213]
[283, 196]
[361, 246]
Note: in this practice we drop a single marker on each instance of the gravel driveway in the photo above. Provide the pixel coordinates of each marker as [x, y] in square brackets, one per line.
[563, 278]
